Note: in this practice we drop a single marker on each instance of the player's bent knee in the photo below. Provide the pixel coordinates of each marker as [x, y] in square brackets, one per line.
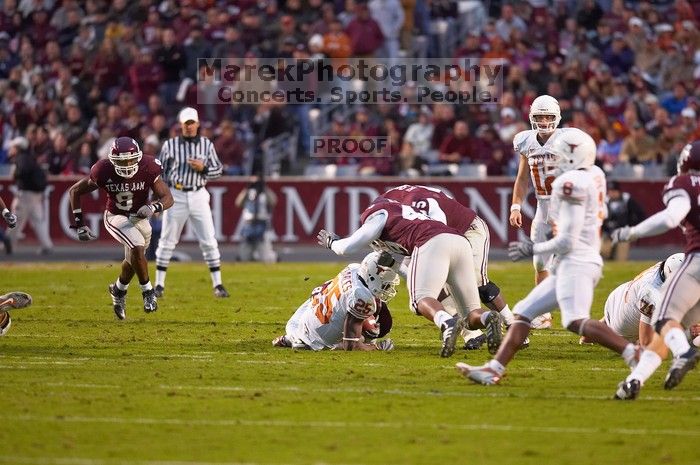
[488, 292]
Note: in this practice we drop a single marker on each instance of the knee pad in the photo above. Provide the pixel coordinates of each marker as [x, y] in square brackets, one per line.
[659, 325]
[488, 292]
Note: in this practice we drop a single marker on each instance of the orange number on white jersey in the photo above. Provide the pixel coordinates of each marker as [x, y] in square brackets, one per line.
[324, 298]
[541, 189]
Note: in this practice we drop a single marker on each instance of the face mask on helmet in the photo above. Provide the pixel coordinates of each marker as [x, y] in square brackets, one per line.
[671, 265]
[126, 164]
[381, 281]
[545, 114]
[574, 150]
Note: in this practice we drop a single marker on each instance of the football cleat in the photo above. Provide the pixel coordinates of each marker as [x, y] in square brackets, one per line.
[475, 343]
[481, 375]
[494, 334]
[159, 291]
[118, 301]
[628, 390]
[150, 302]
[281, 341]
[14, 300]
[543, 321]
[680, 366]
[450, 330]
[221, 292]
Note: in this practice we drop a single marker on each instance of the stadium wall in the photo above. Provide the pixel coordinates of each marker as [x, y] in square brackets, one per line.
[307, 205]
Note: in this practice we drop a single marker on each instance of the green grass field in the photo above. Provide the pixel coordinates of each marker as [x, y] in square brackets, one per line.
[198, 382]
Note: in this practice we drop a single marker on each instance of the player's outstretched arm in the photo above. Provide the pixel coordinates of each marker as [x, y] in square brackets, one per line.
[370, 230]
[669, 218]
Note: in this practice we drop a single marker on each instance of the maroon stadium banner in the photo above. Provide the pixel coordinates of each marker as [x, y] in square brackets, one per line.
[306, 205]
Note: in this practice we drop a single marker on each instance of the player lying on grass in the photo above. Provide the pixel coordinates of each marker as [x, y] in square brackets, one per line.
[127, 177]
[441, 257]
[680, 305]
[577, 209]
[628, 309]
[11, 301]
[335, 314]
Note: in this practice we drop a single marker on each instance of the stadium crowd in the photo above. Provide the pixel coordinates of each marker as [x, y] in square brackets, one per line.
[75, 75]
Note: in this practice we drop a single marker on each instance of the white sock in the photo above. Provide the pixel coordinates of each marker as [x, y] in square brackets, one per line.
[215, 277]
[160, 278]
[507, 315]
[440, 318]
[120, 286]
[496, 366]
[648, 363]
[146, 287]
[676, 341]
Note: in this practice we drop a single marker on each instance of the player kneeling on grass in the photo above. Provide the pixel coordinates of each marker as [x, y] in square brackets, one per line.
[11, 301]
[578, 210]
[628, 309]
[343, 312]
[127, 177]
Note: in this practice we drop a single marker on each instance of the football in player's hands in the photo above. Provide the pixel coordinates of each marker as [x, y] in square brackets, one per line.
[370, 328]
[385, 345]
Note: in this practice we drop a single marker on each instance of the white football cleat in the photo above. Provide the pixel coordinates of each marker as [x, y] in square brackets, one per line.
[543, 321]
[481, 375]
[14, 300]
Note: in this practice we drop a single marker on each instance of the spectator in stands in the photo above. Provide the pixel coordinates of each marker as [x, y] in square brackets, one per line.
[689, 125]
[589, 14]
[623, 210]
[229, 149]
[171, 57]
[509, 125]
[675, 103]
[365, 35]
[416, 143]
[145, 76]
[639, 147]
[492, 151]
[508, 22]
[609, 149]
[389, 15]
[458, 147]
[618, 55]
[28, 204]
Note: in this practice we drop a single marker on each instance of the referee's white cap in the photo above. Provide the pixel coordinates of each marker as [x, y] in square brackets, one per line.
[188, 114]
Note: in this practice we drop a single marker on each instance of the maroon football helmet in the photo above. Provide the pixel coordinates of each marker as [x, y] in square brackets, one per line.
[689, 159]
[125, 156]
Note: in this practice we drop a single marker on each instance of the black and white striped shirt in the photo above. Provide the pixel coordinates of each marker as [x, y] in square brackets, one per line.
[174, 154]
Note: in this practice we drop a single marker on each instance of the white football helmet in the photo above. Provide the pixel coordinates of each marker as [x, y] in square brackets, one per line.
[380, 280]
[545, 105]
[671, 265]
[574, 149]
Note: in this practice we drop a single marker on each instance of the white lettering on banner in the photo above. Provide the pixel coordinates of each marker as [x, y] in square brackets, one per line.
[93, 220]
[294, 205]
[354, 211]
[497, 223]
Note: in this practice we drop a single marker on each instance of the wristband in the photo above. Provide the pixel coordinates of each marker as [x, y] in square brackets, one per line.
[157, 207]
[515, 207]
[78, 217]
[355, 339]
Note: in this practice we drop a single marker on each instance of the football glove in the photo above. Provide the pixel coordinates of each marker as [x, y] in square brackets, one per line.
[84, 234]
[386, 260]
[10, 218]
[623, 234]
[326, 238]
[146, 211]
[387, 345]
[520, 249]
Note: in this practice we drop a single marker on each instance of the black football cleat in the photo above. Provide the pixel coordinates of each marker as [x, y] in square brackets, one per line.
[221, 292]
[150, 303]
[118, 301]
[450, 330]
[159, 291]
[680, 366]
[628, 390]
[475, 343]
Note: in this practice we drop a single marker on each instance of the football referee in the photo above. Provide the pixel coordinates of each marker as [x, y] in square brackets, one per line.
[188, 162]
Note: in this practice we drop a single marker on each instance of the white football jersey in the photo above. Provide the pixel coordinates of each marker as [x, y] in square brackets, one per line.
[633, 301]
[587, 188]
[541, 160]
[322, 316]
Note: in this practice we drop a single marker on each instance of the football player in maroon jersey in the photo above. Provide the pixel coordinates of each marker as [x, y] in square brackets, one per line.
[128, 177]
[680, 306]
[440, 257]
